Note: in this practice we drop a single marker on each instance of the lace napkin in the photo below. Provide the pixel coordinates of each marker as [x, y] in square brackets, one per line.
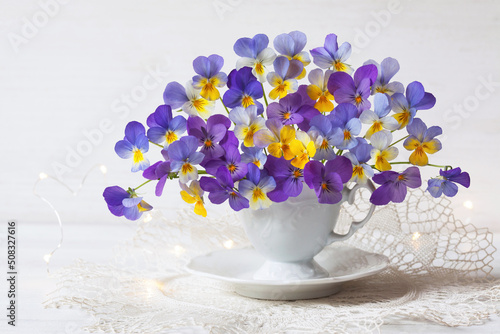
[439, 271]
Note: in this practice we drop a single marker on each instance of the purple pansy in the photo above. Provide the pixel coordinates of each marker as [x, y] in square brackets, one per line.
[288, 179]
[359, 157]
[256, 186]
[189, 99]
[255, 54]
[125, 203]
[354, 90]
[244, 90]
[328, 180]
[163, 129]
[283, 78]
[159, 171]
[386, 70]
[209, 134]
[331, 55]
[406, 107]
[378, 119]
[290, 110]
[253, 155]
[324, 134]
[445, 183]
[347, 126]
[291, 46]
[183, 158]
[134, 145]
[393, 185]
[209, 76]
[231, 159]
[222, 188]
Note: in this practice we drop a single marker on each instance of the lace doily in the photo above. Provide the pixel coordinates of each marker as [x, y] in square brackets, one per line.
[439, 272]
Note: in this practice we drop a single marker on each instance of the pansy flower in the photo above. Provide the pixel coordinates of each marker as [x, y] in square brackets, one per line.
[255, 54]
[386, 70]
[253, 155]
[328, 180]
[323, 134]
[163, 129]
[125, 203]
[378, 119]
[394, 184]
[222, 188]
[231, 159]
[194, 195]
[318, 90]
[354, 90]
[347, 126]
[304, 148]
[445, 183]
[307, 113]
[277, 138]
[158, 171]
[188, 98]
[382, 152]
[283, 78]
[288, 179]
[291, 46]
[134, 145]
[331, 55]
[406, 107]
[244, 90]
[421, 141]
[183, 158]
[359, 157]
[247, 123]
[256, 186]
[209, 76]
[209, 134]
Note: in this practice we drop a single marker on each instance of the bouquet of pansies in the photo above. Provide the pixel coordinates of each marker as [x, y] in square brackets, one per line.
[321, 134]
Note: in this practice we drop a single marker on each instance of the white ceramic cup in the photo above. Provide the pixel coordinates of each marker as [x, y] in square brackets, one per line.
[291, 233]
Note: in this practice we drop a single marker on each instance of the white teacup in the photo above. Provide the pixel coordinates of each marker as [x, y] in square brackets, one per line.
[291, 233]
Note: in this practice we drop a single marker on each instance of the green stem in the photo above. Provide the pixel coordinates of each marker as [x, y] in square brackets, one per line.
[220, 98]
[339, 152]
[264, 93]
[399, 140]
[156, 144]
[142, 184]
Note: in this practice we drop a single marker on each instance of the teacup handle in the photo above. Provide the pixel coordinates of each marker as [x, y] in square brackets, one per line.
[349, 195]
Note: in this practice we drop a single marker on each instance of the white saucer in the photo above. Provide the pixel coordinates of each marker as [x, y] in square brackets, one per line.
[237, 266]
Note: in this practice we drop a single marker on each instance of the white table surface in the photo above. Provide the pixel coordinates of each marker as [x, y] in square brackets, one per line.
[83, 242]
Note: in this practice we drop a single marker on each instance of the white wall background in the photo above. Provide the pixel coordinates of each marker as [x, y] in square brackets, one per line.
[66, 66]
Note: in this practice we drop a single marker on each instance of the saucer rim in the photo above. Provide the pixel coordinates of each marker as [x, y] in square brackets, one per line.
[384, 263]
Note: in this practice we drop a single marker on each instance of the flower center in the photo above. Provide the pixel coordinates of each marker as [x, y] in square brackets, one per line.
[357, 171]
[259, 68]
[324, 144]
[138, 157]
[347, 135]
[297, 173]
[208, 143]
[358, 99]
[246, 101]
[232, 168]
[339, 66]
[170, 136]
[187, 168]
[257, 194]
[286, 115]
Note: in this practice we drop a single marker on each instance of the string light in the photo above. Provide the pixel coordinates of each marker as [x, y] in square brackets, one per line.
[415, 236]
[44, 176]
[228, 244]
[148, 218]
[179, 250]
[469, 205]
